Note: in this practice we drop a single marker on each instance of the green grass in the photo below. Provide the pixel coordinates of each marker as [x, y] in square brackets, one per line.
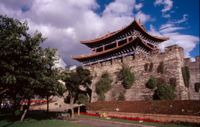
[41, 123]
[37, 119]
[41, 120]
[143, 123]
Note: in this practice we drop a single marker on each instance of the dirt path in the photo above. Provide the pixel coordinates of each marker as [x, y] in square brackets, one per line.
[104, 123]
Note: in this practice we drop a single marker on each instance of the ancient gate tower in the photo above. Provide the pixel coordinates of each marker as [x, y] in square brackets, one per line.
[136, 48]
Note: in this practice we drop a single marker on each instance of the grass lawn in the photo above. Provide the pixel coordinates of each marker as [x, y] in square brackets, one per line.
[35, 120]
[41, 120]
[143, 123]
[39, 123]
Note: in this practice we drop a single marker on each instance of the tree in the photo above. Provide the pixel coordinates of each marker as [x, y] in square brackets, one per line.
[103, 85]
[76, 82]
[20, 55]
[126, 76]
[24, 65]
[50, 77]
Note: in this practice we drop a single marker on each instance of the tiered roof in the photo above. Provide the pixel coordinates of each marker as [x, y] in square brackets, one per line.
[135, 25]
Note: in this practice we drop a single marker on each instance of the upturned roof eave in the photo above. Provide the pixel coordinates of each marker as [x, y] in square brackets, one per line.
[97, 40]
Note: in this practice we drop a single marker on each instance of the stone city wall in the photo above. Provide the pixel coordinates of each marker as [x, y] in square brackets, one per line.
[172, 58]
[194, 69]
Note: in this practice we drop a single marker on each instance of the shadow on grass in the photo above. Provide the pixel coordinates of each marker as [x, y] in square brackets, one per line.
[31, 115]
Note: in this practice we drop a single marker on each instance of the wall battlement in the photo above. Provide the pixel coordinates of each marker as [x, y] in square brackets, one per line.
[168, 50]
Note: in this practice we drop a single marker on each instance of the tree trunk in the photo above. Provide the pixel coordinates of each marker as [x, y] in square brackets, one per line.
[72, 107]
[26, 109]
[78, 110]
[47, 104]
[23, 115]
[14, 106]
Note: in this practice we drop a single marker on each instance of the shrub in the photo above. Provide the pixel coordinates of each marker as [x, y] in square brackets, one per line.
[197, 86]
[151, 67]
[103, 85]
[186, 75]
[82, 99]
[151, 83]
[127, 77]
[160, 68]
[164, 92]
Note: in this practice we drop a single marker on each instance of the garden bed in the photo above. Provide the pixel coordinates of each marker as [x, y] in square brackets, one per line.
[175, 107]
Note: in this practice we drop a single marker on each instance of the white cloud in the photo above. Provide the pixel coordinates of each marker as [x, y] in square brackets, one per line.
[142, 17]
[163, 26]
[171, 29]
[182, 20]
[66, 22]
[188, 42]
[138, 6]
[120, 7]
[168, 5]
[153, 31]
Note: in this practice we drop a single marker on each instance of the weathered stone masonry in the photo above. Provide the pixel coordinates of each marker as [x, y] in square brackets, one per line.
[173, 59]
[194, 68]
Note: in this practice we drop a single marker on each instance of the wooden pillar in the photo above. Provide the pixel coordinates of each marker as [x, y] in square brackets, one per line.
[117, 43]
[103, 47]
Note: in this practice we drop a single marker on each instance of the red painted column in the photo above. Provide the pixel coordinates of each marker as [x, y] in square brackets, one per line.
[117, 44]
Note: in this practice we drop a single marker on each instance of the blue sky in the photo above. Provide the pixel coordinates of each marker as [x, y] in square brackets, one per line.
[180, 8]
[66, 22]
